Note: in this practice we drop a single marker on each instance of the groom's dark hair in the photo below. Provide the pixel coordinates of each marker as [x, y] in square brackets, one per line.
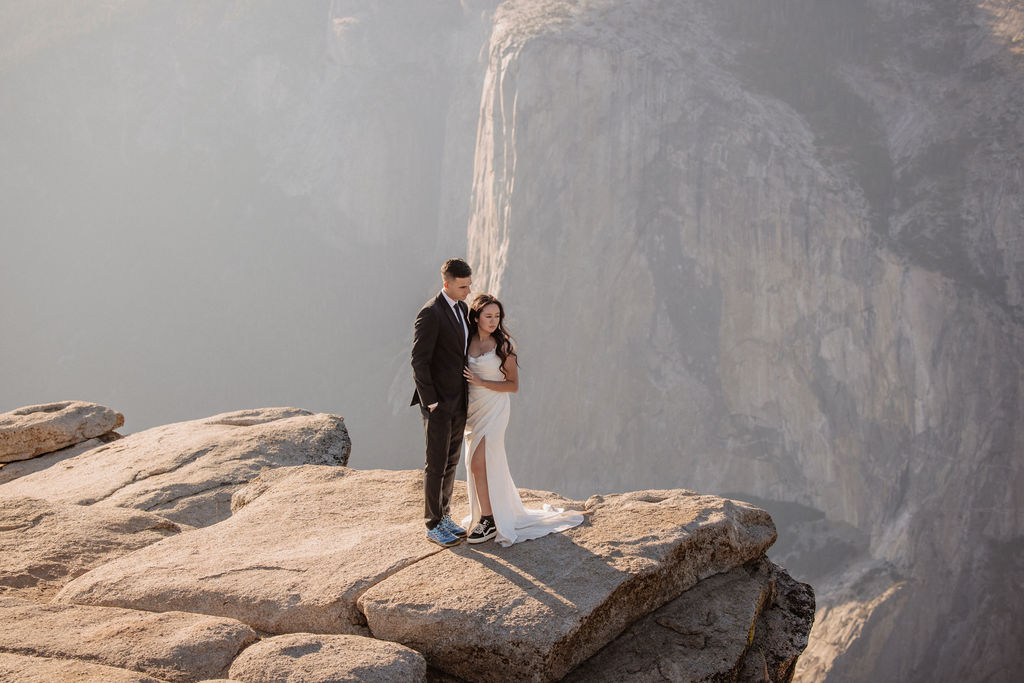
[455, 267]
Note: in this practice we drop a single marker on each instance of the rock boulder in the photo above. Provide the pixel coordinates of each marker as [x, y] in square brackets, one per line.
[172, 646]
[311, 657]
[44, 544]
[34, 430]
[187, 471]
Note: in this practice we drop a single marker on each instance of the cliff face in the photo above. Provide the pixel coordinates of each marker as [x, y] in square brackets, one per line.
[768, 248]
[777, 249]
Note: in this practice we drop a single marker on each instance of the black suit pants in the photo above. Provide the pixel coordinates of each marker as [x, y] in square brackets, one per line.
[444, 427]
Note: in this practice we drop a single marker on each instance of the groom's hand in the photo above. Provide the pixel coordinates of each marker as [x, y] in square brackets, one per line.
[431, 407]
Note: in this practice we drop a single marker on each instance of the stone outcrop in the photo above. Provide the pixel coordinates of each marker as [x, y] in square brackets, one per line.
[34, 430]
[187, 471]
[336, 562]
[724, 628]
[335, 550]
[537, 610]
[171, 646]
[44, 545]
[19, 468]
[311, 657]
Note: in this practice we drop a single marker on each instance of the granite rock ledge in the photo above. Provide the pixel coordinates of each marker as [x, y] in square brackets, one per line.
[311, 567]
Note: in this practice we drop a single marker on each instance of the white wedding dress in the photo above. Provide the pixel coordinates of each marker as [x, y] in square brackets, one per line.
[487, 416]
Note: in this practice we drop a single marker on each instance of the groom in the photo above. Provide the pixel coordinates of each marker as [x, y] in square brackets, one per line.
[438, 357]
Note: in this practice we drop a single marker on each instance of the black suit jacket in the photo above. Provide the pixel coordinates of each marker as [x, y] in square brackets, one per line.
[438, 355]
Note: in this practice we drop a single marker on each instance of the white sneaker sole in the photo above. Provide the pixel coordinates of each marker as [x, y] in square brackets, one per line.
[482, 539]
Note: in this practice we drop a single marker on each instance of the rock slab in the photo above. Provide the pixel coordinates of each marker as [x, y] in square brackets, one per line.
[536, 610]
[34, 430]
[331, 550]
[26, 669]
[172, 646]
[328, 549]
[312, 657]
[13, 470]
[187, 471]
[44, 545]
[302, 545]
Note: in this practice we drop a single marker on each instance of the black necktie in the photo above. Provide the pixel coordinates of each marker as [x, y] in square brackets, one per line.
[458, 316]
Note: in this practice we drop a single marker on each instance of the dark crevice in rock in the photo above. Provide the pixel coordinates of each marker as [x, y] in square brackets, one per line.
[142, 476]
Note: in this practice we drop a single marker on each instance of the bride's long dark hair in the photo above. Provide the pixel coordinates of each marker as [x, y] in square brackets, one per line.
[504, 344]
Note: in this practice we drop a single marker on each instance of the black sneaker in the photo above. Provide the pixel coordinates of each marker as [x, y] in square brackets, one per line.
[483, 531]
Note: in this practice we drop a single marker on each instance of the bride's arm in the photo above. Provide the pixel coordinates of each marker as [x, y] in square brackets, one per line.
[510, 384]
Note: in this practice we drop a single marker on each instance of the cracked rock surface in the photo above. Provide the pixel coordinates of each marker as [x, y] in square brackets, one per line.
[335, 550]
[45, 544]
[172, 646]
[293, 559]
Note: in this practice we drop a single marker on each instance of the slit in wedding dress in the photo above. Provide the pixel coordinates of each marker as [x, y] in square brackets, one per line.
[476, 449]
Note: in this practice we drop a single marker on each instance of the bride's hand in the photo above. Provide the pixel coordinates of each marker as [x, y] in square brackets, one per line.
[472, 377]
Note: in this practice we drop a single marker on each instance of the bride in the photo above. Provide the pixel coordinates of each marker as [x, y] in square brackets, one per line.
[496, 510]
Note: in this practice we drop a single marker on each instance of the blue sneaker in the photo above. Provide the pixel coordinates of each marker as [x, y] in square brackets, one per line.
[454, 529]
[441, 536]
